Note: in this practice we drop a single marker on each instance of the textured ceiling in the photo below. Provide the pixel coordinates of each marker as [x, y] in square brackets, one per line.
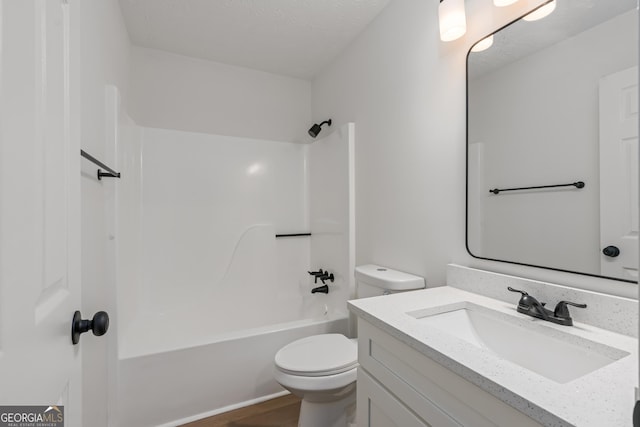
[524, 38]
[290, 37]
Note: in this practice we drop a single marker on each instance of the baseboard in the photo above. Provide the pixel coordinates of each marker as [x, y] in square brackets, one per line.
[224, 409]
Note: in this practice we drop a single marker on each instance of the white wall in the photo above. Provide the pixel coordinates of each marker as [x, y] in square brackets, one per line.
[104, 60]
[530, 140]
[406, 98]
[177, 92]
[405, 91]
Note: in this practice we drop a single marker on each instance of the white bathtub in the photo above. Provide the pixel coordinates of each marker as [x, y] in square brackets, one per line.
[172, 387]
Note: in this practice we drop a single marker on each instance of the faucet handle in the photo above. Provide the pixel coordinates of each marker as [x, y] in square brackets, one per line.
[326, 276]
[524, 294]
[563, 311]
[529, 304]
[317, 274]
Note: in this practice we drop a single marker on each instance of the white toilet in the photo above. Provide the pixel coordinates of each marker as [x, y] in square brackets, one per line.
[321, 369]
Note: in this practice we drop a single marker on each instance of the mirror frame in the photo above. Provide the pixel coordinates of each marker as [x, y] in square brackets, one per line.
[466, 214]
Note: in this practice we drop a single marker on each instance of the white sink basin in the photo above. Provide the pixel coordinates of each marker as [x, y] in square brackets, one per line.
[556, 355]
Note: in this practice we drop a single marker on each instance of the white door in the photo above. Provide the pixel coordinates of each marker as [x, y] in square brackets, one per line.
[39, 204]
[619, 174]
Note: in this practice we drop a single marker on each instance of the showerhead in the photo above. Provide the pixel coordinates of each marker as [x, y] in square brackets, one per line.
[316, 128]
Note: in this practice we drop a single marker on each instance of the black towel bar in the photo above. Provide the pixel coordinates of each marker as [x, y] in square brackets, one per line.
[579, 184]
[293, 235]
[110, 172]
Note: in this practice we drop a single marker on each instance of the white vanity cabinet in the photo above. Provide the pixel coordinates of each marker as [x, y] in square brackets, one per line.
[399, 386]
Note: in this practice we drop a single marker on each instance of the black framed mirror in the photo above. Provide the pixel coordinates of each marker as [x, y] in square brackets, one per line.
[552, 142]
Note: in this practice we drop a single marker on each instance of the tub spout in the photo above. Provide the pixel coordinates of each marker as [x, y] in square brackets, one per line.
[324, 289]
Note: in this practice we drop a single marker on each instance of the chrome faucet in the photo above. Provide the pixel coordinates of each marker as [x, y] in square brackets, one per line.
[532, 307]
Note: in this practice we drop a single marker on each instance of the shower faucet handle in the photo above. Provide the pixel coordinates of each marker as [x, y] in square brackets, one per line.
[326, 276]
[316, 274]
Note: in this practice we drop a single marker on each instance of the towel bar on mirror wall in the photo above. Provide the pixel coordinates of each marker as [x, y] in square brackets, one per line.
[578, 184]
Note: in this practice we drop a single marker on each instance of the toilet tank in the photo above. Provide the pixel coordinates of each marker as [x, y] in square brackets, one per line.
[373, 280]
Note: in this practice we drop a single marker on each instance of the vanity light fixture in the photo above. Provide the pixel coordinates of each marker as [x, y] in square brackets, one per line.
[453, 22]
[483, 44]
[501, 3]
[541, 12]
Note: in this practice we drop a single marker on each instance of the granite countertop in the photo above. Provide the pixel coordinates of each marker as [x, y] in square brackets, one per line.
[604, 397]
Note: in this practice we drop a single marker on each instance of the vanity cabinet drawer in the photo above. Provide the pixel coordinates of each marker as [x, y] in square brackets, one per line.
[430, 390]
[379, 408]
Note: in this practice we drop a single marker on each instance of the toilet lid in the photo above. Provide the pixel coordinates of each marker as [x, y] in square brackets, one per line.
[318, 355]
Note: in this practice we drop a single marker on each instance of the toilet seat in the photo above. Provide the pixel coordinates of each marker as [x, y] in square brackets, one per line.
[323, 384]
[318, 356]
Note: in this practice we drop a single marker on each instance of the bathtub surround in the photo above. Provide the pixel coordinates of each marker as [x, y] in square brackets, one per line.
[331, 198]
[206, 231]
[211, 207]
[206, 293]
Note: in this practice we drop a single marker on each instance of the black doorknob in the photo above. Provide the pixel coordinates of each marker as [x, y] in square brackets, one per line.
[98, 325]
[611, 251]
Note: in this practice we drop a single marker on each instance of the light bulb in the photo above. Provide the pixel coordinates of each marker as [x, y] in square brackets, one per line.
[453, 23]
[501, 3]
[541, 12]
[483, 44]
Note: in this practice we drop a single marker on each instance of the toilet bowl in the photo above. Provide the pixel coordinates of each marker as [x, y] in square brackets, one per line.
[322, 369]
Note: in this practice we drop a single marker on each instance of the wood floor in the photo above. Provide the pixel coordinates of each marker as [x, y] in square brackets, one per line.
[280, 412]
